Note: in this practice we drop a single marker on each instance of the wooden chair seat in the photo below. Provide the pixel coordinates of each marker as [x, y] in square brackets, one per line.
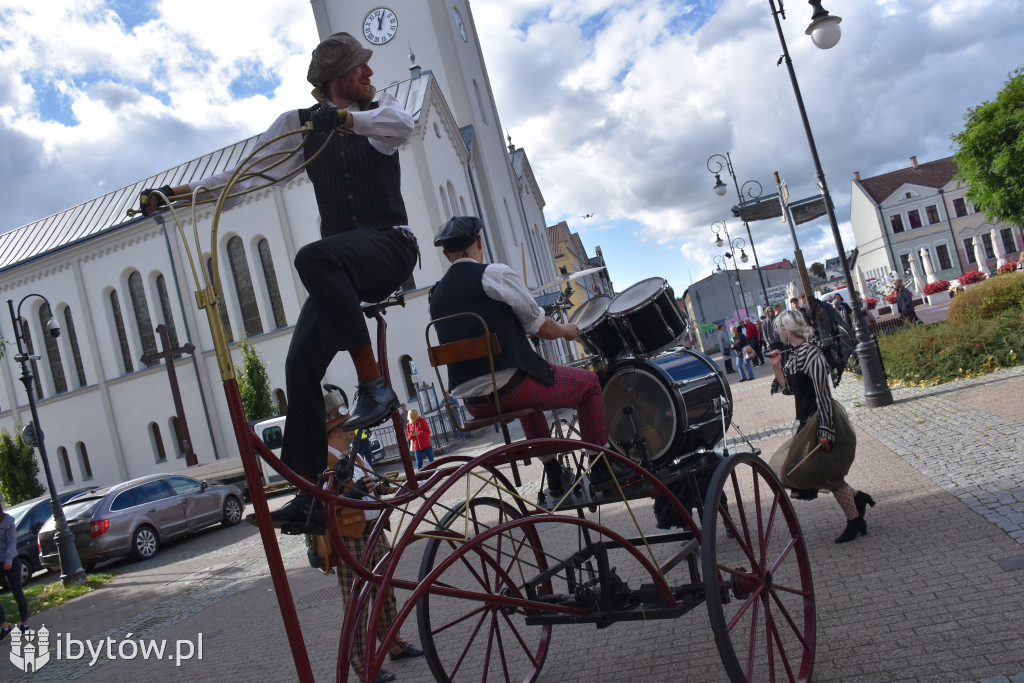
[506, 417]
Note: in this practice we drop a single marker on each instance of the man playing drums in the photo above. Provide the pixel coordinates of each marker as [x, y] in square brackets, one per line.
[524, 379]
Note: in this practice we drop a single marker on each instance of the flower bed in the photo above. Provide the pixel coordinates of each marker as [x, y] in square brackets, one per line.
[1007, 268]
[936, 287]
[971, 277]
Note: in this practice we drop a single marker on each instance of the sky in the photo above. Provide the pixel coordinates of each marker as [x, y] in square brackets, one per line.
[618, 103]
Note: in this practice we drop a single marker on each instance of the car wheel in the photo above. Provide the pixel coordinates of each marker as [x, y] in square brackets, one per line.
[145, 543]
[26, 571]
[232, 511]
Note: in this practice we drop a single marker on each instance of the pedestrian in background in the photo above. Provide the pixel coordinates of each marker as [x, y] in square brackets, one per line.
[753, 335]
[418, 432]
[744, 353]
[11, 572]
[725, 344]
[905, 304]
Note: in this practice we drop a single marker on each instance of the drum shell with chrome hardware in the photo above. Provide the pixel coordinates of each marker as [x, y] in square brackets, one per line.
[647, 316]
[673, 402]
[597, 334]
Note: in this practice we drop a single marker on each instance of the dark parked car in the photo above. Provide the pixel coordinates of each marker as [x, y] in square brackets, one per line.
[136, 517]
[29, 517]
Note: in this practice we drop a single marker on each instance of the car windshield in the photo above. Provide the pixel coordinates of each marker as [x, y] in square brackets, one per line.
[19, 513]
[81, 508]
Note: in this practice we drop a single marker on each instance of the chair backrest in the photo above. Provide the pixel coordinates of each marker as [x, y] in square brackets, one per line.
[463, 350]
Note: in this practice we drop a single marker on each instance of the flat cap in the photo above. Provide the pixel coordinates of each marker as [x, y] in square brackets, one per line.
[459, 233]
[336, 55]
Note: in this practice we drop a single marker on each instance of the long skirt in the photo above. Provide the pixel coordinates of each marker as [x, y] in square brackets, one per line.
[823, 469]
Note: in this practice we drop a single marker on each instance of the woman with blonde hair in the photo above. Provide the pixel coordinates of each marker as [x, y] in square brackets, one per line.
[418, 432]
[821, 453]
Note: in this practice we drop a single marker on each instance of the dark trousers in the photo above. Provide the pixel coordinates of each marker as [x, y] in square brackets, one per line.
[728, 363]
[757, 350]
[12, 579]
[339, 272]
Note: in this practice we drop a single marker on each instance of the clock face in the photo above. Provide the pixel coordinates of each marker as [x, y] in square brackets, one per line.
[380, 26]
[458, 22]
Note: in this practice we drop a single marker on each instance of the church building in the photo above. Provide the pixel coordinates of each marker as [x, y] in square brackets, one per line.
[110, 281]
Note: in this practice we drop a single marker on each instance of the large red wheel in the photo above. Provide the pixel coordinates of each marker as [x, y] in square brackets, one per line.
[470, 637]
[757, 576]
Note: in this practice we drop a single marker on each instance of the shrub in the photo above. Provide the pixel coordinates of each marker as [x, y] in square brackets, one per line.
[991, 298]
[936, 287]
[981, 335]
[971, 277]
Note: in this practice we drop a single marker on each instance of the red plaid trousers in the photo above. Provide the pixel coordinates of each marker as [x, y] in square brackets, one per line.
[576, 388]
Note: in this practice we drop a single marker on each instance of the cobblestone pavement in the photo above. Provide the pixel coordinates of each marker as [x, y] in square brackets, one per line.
[934, 593]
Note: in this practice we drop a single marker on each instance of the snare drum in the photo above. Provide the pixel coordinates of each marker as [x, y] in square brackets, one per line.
[597, 334]
[647, 316]
[673, 404]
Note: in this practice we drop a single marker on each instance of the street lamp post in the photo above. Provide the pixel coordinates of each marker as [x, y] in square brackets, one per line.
[748, 187]
[720, 261]
[825, 32]
[734, 244]
[71, 571]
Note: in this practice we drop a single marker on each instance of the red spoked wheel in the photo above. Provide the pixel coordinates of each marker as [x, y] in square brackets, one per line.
[471, 637]
[757, 575]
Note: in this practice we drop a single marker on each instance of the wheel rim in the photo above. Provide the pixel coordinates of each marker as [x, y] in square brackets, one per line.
[758, 586]
[233, 510]
[145, 542]
[470, 639]
[26, 572]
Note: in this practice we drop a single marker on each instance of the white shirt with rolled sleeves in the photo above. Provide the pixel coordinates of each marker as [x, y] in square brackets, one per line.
[501, 283]
[387, 126]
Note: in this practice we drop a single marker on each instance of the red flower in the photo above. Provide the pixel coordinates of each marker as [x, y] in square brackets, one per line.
[971, 277]
[936, 287]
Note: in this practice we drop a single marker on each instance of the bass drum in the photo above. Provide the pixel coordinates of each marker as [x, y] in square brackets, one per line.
[673, 404]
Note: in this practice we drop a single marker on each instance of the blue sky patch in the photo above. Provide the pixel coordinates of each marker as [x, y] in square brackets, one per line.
[134, 13]
[52, 104]
[253, 79]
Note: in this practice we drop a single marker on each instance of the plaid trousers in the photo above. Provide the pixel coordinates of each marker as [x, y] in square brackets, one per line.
[573, 388]
[346, 577]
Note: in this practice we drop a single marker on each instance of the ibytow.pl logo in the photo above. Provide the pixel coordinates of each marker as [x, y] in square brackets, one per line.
[32, 650]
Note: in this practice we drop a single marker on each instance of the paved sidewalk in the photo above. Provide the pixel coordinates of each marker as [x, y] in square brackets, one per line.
[935, 592]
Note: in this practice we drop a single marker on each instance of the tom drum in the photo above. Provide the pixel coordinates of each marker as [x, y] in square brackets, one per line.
[673, 404]
[647, 316]
[597, 334]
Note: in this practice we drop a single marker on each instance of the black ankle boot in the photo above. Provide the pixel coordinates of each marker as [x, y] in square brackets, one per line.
[854, 527]
[862, 500]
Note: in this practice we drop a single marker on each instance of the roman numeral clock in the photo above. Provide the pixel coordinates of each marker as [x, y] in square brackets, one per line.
[380, 26]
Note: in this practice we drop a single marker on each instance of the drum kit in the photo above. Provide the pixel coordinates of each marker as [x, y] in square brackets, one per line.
[661, 401]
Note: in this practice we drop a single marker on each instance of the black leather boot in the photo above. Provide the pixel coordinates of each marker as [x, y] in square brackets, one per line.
[373, 404]
[862, 500]
[854, 528]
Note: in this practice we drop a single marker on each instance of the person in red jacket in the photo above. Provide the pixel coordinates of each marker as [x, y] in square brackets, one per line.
[754, 335]
[418, 432]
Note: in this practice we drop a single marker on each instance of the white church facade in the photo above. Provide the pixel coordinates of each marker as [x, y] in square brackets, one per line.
[111, 281]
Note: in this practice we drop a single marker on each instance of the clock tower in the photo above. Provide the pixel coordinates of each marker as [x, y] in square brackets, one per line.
[443, 38]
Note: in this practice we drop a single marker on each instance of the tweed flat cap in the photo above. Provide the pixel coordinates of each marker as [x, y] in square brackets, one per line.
[336, 55]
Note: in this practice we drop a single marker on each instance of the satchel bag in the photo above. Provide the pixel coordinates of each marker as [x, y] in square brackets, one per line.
[351, 524]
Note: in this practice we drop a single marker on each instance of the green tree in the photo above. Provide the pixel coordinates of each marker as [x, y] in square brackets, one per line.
[818, 269]
[990, 153]
[254, 384]
[19, 469]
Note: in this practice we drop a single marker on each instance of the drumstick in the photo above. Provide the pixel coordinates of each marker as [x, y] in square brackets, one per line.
[803, 461]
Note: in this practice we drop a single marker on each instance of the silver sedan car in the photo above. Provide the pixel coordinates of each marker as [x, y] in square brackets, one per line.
[134, 518]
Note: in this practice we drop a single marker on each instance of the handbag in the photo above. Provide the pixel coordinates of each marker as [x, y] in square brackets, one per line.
[351, 521]
[749, 353]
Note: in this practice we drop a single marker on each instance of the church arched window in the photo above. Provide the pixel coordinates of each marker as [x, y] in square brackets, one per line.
[60, 384]
[65, 465]
[270, 279]
[72, 336]
[165, 309]
[243, 287]
[444, 203]
[83, 461]
[451, 197]
[407, 366]
[159, 452]
[225, 320]
[282, 401]
[143, 322]
[179, 438]
[122, 336]
[26, 334]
